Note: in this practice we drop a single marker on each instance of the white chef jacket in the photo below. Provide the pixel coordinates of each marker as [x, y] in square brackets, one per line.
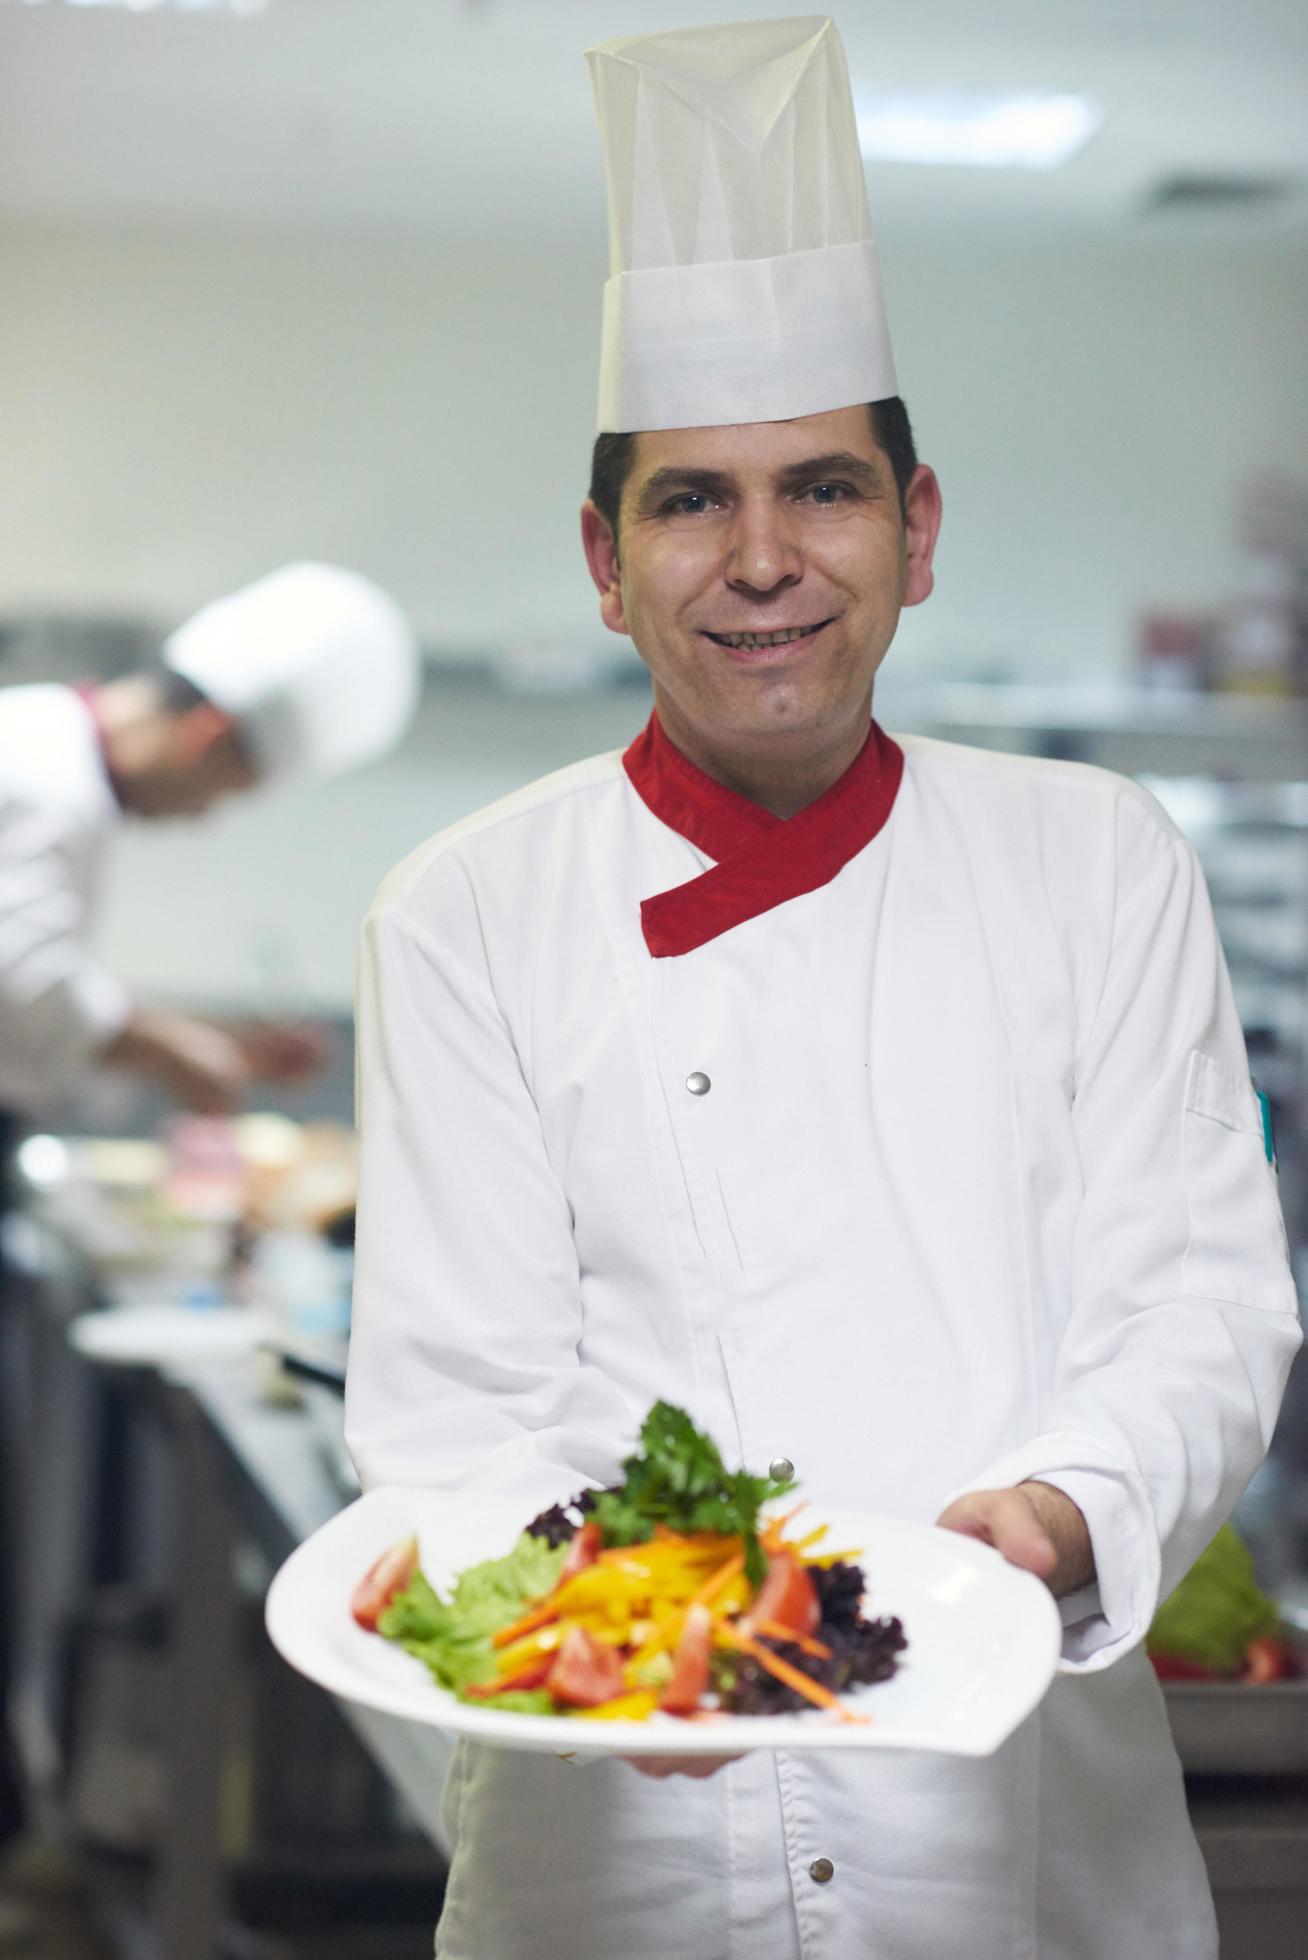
[977, 1193]
[58, 1005]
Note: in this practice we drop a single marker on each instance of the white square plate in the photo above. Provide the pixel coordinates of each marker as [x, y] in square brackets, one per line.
[983, 1637]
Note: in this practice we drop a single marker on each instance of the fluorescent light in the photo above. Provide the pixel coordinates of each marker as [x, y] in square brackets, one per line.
[1016, 131]
[43, 1161]
[239, 7]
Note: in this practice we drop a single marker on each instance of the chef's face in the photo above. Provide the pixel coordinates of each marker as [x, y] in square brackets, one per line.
[760, 570]
[198, 762]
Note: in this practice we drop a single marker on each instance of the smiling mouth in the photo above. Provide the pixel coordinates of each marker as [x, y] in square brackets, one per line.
[783, 636]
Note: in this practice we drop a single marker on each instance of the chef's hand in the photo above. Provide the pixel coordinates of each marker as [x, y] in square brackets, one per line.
[660, 1766]
[279, 1052]
[201, 1067]
[1035, 1526]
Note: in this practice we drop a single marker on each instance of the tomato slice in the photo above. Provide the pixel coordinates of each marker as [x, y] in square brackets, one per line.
[1266, 1659]
[1174, 1667]
[585, 1671]
[787, 1596]
[690, 1664]
[532, 1674]
[380, 1583]
[583, 1551]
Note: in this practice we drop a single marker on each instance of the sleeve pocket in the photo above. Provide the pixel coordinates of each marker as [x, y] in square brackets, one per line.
[1237, 1247]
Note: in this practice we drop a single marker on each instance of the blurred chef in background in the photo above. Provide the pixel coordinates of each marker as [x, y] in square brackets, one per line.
[309, 671]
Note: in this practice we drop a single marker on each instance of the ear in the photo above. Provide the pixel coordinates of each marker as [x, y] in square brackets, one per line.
[196, 731]
[601, 549]
[921, 528]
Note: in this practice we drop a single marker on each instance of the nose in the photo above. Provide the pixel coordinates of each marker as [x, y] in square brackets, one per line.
[764, 555]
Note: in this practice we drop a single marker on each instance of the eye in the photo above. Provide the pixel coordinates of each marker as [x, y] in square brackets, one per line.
[691, 503]
[826, 494]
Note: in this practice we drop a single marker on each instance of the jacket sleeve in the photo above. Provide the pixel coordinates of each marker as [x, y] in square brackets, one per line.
[465, 1366]
[1183, 1319]
[58, 1005]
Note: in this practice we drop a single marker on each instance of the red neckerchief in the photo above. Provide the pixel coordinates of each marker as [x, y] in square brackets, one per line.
[761, 859]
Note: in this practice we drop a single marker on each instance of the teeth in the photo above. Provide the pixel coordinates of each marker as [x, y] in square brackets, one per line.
[763, 639]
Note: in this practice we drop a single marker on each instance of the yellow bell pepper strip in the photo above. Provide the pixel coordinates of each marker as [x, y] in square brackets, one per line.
[634, 1707]
[719, 1580]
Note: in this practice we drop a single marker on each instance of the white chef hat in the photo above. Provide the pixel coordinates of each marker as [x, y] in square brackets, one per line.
[317, 666]
[743, 279]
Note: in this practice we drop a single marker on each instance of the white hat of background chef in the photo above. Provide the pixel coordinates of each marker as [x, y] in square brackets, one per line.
[744, 283]
[317, 666]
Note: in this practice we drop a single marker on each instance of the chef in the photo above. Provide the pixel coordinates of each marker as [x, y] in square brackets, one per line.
[881, 1101]
[310, 670]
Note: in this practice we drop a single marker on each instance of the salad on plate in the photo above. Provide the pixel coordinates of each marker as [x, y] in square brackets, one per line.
[686, 1590]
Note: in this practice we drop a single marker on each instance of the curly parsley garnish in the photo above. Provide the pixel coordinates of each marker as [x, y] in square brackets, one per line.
[677, 1478]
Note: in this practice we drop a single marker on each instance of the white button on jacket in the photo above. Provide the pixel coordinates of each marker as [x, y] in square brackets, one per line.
[979, 1194]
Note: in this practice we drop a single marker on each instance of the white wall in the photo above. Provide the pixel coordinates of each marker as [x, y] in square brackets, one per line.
[259, 905]
[179, 412]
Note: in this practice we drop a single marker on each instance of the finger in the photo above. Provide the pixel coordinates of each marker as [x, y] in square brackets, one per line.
[1007, 1520]
[1025, 1543]
[661, 1766]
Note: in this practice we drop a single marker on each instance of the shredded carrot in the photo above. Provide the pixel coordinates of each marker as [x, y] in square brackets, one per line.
[794, 1677]
[715, 1583]
[770, 1536]
[774, 1631]
[539, 1616]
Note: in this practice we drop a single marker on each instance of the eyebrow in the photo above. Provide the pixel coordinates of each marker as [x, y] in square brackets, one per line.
[716, 483]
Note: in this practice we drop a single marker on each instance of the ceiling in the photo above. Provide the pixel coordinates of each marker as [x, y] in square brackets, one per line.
[451, 116]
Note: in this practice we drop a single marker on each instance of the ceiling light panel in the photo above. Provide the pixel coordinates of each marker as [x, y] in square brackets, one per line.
[238, 7]
[1024, 130]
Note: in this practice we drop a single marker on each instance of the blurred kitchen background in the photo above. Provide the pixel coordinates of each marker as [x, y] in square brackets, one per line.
[288, 279]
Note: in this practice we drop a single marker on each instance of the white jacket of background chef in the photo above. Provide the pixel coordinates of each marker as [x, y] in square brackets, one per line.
[58, 1005]
[977, 1192]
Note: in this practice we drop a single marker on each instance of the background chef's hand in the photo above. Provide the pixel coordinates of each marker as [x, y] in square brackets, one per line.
[276, 1051]
[1034, 1526]
[201, 1067]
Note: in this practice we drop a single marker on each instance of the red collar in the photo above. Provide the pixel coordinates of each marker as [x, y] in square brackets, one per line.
[87, 694]
[761, 859]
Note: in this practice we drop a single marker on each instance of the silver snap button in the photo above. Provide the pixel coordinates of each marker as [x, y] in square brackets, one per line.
[781, 1469]
[821, 1871]
[698, 1083]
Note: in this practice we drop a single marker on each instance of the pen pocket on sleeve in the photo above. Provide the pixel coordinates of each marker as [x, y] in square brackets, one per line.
[1237, 1247]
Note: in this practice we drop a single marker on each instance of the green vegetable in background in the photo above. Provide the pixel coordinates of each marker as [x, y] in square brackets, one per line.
[454, 1639]
[679, 1479]
[1217, 1609]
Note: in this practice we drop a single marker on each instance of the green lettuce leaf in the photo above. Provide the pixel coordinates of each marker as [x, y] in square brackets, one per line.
[1217, 1609]
[453, 1637]
[523, 1701]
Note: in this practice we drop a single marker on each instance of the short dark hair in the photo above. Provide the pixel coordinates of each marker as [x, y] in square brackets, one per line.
[613, 455]
[174, 693]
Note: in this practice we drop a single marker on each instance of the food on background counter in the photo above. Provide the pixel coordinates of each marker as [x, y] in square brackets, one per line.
[192, 1203]
[301, 1176]
[672, 1592]
[1219, 1625]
